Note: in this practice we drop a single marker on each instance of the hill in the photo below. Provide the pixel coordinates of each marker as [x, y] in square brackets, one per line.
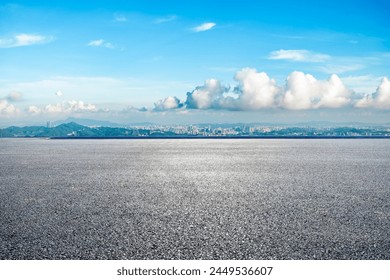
[64, 130]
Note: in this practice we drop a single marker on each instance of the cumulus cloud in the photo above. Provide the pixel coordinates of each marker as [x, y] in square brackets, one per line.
[168, 103]
[380, 99]
[298, 55]
[204, 27]
[76, 106]
[303, 91]
[71, 106]
[256, 91]
[333, 93]
[100, 43]
[21, 40]
[33, 109]
[6, 108]
[207, 96]
[59, 93]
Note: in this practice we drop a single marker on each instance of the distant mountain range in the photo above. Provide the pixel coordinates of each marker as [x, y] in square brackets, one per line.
[64, 130]
[88, 122]
[96, 123]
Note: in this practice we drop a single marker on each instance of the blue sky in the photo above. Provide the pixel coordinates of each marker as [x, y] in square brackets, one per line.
[195, 61]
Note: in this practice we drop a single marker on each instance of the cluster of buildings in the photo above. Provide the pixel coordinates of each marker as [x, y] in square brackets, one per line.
[257, 130]
[207, 130]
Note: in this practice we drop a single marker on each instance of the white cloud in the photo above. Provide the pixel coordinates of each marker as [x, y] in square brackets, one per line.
[380, 99]
[303, 91]
[71, 106]
[33, 110]
[96, 43]
[76, 106]
[165, 19]
[21, 40]
[204, 27]
[168, 103]
[100, 43]
[6, 108]
[206, 96]
[333, 93]
[256, 90]
[298, 55]
[54, 108]
[59, 93]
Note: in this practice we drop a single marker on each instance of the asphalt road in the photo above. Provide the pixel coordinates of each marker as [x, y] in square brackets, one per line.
[194, 199]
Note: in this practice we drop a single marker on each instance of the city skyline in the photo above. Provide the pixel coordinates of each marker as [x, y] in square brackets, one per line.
[178, 63]
[92, 129]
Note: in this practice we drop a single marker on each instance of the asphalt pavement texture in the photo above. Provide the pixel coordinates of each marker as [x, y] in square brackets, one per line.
[194, 199]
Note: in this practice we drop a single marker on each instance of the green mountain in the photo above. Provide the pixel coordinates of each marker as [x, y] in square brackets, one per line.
[65, 130]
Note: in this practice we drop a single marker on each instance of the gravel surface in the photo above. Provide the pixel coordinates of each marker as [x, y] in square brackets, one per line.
[195, 199]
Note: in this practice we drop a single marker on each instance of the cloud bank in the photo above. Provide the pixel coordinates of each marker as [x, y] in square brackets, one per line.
[256, 90]
[71, 106]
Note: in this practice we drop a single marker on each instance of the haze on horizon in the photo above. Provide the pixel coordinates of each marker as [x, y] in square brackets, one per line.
[194, 61]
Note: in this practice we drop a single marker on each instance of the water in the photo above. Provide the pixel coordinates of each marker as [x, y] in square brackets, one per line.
[195, 199]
